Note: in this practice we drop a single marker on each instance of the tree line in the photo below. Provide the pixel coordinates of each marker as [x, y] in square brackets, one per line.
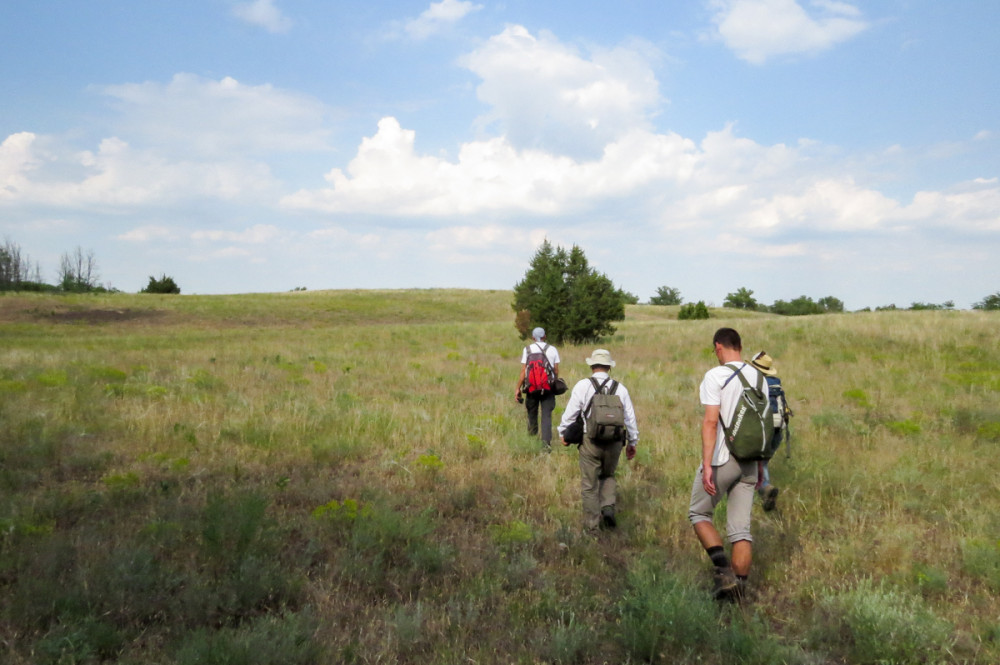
[573, 302]
[78, 273]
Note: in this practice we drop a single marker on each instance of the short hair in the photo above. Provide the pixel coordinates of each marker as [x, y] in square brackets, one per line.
[728, 338]
[606, 368]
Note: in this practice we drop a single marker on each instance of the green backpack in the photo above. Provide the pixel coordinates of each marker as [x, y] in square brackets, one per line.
[749, 434]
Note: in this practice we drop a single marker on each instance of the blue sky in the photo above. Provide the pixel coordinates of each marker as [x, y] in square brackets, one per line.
[792, 147]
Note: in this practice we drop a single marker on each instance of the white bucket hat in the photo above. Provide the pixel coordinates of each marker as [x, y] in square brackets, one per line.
[601, 357]
[538, 334]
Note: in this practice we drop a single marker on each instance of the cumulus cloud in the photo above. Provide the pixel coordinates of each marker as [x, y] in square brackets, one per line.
[197, 115]
[263, 13]
[118, 175]
[388, 177]
[757, 30]
[545, 95]
[439, 16]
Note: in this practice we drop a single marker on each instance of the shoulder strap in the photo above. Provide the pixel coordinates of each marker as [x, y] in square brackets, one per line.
[597, 389]
[545, 358]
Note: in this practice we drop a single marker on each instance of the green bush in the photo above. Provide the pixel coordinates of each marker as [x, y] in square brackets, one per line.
[666, 619]
[875, 624]
[270, 640]
[693, 311]
[162, 285]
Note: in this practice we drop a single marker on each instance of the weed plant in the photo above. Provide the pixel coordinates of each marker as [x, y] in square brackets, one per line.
[345, 477]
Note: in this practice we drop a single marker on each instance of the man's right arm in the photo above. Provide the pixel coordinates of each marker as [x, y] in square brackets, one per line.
[709, 432]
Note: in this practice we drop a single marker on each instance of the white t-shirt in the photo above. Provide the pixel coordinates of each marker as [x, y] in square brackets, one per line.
[713, 394]
[550, 352]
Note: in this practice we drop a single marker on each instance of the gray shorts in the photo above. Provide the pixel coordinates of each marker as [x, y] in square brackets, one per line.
[735, 480]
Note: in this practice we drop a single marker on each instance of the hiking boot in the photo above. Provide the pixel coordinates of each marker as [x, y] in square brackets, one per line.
[770, 494]
[726, 584]
[608, 517]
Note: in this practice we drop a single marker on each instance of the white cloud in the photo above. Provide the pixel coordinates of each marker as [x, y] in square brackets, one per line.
[17, 158]
[263, 13]
[973, 206]
[439, 16]
[191, 114]
[757, 30]
[152, 233]
[256, 235]
[543, 94]
[117, 175]
[388, 177]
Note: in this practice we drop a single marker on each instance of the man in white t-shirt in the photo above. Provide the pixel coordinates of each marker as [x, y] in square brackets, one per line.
[720, 474]
[535, 401]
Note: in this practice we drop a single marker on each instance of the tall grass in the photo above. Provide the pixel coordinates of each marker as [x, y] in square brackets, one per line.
[345, 477]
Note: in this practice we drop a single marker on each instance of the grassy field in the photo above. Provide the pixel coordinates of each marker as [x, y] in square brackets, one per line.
[344, 477]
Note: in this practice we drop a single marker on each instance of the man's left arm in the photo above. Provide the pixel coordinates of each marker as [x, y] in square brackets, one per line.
[631, 426]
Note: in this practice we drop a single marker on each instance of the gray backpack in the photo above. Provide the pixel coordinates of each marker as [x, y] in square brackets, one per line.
[605, 415]
[749, 434]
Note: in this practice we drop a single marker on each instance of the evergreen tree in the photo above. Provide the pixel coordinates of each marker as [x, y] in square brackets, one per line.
[563, 294]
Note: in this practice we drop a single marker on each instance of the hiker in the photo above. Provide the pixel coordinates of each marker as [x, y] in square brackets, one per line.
[539, 371]
[720, 473]
[601, 443]
[779, 408]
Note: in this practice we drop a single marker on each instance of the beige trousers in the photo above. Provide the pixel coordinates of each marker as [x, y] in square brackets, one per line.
[598, 462]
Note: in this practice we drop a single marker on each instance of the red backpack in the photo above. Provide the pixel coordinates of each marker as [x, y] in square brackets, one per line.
[538, 373]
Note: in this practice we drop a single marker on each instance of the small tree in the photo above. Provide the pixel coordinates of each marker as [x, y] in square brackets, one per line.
[666, 295]
[163, 285]
[741, 299]
[991, 302]
[693, 311]
[831, 304]
[16, 272]
[563, 294]
[78, 271]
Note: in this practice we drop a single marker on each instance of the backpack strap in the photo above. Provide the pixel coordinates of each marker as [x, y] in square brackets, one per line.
[548, 364]
[738, 372]
[597, 389]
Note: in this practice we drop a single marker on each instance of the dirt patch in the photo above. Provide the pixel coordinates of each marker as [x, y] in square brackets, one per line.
[97, 316]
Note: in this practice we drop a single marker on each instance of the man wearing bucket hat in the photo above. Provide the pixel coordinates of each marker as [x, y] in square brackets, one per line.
[599, 459]
[538, 400]
[779, 408]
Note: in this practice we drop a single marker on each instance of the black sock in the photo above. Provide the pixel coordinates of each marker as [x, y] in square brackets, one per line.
[718, 556]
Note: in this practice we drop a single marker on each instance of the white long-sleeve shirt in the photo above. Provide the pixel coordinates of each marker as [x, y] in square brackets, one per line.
[580, 398]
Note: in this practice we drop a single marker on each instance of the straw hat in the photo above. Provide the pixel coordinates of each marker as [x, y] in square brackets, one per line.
[601, 357]
[764, 363]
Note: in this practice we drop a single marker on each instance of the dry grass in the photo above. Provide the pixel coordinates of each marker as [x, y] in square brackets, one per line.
[118, 426]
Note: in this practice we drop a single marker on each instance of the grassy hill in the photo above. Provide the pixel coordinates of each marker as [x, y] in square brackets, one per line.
[344, 477]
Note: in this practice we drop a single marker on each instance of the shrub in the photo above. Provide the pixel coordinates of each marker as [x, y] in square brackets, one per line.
[877, 624]
[668, 619]
[693, 311]
[162, 285]
[271, 640]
